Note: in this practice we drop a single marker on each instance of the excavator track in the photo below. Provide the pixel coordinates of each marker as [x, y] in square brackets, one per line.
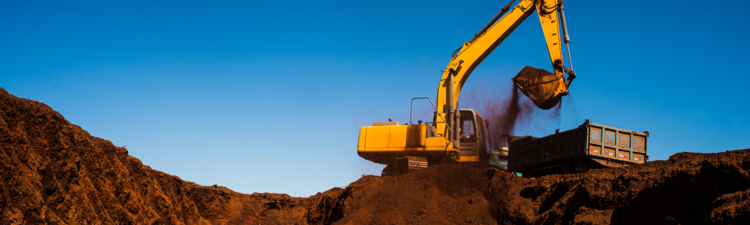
[404, 165]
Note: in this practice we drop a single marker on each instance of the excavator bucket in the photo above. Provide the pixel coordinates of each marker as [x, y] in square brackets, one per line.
[543, 88]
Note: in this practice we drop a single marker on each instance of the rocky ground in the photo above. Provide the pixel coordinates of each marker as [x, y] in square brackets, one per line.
[52, 171]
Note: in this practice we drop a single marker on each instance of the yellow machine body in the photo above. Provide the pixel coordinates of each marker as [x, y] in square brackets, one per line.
[382, 144]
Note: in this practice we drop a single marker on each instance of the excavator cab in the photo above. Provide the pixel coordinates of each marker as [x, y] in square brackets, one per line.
[473, 135]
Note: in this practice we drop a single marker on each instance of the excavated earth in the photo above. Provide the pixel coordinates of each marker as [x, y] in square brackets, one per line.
[54, 172]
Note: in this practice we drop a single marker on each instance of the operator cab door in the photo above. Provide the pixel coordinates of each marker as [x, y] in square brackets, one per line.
[470, 136]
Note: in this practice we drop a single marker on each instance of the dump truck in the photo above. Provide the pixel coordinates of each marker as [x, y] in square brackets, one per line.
[591, 145]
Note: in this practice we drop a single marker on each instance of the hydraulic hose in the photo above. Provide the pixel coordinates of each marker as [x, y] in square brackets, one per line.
[494, 19]
[566, 38]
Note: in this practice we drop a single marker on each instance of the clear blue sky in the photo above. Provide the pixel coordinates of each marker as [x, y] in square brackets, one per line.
[269, 96]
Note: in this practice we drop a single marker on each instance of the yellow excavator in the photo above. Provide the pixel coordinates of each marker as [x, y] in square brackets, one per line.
[460, 135]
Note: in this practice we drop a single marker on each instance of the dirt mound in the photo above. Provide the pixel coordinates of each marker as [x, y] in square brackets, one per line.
[689, 188]
[441, 194]
[54, 172]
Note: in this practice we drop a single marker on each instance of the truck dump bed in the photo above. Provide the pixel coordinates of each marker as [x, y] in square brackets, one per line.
[591, 145]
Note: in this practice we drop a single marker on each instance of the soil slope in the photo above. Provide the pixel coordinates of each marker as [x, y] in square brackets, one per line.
[54, 172]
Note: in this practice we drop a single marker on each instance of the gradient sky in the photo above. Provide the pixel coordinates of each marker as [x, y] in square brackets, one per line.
[269, 96]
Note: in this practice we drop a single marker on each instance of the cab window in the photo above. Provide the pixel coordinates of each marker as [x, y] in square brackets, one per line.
[468, 133]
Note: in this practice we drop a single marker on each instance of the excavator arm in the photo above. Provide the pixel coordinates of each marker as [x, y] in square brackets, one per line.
[474, 51]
